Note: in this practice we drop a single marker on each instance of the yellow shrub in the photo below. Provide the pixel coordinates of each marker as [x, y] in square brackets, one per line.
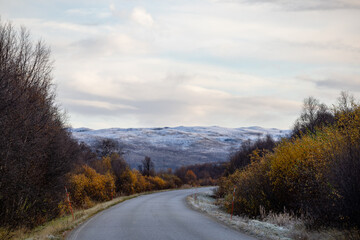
[103, 165]
[79, 184]
[141, 184]
[156, 183]
[316, 174]
[88, 186]
[299, 169]
[252, 187]
[172, 181]
[128, 182]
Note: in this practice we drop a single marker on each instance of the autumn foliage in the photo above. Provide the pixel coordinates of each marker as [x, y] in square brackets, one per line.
[110, 176]
[316, 174]
[88, 186]
[206, 174]
[38, 156]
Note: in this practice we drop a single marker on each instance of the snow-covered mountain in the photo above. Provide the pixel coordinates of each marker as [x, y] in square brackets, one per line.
[178, 146]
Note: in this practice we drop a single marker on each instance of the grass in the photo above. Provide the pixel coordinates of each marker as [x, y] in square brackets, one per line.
[269, 226]
[59, 227]
[299, 231]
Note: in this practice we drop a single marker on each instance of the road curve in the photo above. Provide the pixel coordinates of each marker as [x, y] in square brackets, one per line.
[158, 216]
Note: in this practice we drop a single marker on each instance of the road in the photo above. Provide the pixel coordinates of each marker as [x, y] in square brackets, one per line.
[158, 216]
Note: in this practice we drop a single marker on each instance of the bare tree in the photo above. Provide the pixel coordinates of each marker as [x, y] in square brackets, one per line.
[311, 106]
[147, 167]
[106, 147]
[242, 157]
[119, 166]
[314, 115]
[345, 102]
[35, 149]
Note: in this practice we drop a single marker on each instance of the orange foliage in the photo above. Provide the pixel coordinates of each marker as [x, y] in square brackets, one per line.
[88, 185]
[156, 183]
[128, 181]
[141, 184]
[315, 174]
[103, 165]
[190, 177]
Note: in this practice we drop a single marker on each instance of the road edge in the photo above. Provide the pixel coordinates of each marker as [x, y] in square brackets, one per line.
[246, 232]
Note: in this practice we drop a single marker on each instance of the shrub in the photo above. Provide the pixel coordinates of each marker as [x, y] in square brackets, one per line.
[206, 173]
[190, 177]
[252, 187]
[242, 157]
[345, 167]
[156, 183]
[317, 175]
[171, 180]
[90, 185]
[141, 184]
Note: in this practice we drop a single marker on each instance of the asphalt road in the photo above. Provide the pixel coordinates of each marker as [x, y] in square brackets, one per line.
[158, 216]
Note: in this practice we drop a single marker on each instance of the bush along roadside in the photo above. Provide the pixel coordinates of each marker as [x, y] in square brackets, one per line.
[60, 226]
[268, 225]
[38, 155]
[315, 175]
[94, 187]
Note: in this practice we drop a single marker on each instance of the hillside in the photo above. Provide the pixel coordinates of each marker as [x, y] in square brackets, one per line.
[174, 147]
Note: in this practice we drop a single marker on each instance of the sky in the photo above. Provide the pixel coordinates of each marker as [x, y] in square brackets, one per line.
[229, 63]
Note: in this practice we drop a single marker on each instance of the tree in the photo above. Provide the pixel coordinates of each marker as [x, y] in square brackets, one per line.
[35, 149]
[190, 177]
[206, 173]
[119, 166]
[242, 158]
[345, 102]
[106, 147]
[147, 167]
[314, 115]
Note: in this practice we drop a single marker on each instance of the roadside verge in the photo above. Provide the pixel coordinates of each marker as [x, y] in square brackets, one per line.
[60, 227]
[271, 227]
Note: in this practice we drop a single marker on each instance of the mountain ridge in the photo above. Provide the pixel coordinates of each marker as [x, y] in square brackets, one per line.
[172, 147]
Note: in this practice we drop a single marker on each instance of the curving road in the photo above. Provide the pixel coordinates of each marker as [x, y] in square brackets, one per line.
[158, 216]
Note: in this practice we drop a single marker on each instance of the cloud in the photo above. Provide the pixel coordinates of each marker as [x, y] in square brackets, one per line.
[109, 44]
[89, 12]
[62, 27]
[338, 82]
[260, 33]
[196, 111]
[175, 99]
[142, 17]
[304, 5]
[195, 62]
[99, 104]
[117, 13]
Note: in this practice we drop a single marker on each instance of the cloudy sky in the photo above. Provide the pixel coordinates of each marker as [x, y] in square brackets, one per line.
[231, 63]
